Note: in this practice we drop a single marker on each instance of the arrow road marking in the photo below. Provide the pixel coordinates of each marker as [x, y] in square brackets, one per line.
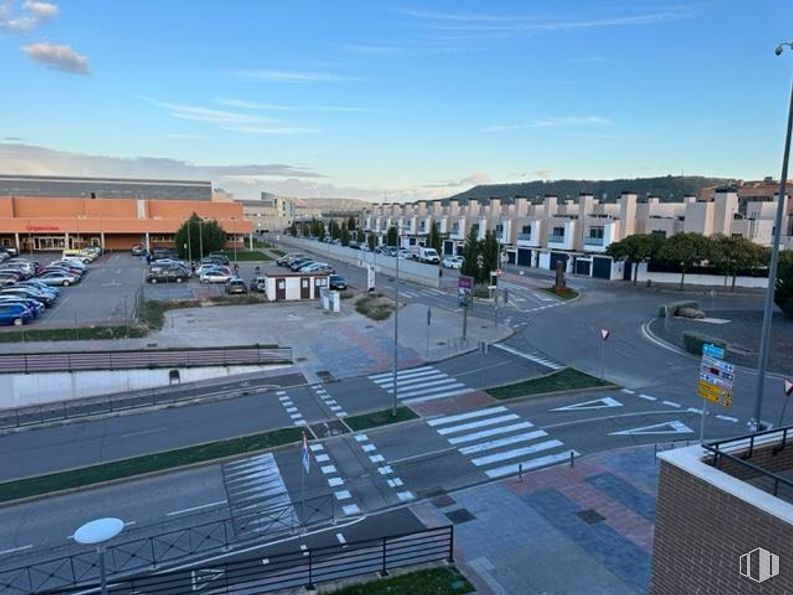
[602, 403]
[668, 427]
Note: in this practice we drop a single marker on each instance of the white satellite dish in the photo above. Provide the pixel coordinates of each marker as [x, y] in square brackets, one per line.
[99, 531]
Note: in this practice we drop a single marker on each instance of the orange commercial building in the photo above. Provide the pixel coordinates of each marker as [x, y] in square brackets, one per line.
[57, 223]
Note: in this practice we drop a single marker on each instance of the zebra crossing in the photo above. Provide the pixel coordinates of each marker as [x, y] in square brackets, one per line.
[415, 293]
[499, 441]
[533, 357]
[254, 486]
[425, 383]
[329, 401]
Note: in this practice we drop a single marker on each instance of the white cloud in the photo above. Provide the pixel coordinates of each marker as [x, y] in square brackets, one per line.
[245, 104]
[289, 76]
[474, 179]
[19, 18]
[57, 57]
[271, 129]
[552, 122]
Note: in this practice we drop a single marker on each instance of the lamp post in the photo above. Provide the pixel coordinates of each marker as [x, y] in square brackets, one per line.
[98, 533]
[189, 241]
[201, 236]
[772, 267]
[396, 331]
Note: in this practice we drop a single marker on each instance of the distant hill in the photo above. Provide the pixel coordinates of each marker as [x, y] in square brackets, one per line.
[331, 205]
[666, 188]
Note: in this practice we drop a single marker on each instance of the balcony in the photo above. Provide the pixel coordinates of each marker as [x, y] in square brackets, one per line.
[593, 241]
[556, 239]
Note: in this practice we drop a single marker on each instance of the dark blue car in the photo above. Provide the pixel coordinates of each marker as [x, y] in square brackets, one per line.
[15, 314]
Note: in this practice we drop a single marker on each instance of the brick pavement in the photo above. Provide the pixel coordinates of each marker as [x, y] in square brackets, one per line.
[532, 535]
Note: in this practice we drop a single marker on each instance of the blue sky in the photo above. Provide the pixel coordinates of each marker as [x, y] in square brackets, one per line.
[402, 99]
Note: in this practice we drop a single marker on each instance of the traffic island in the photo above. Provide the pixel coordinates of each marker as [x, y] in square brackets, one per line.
[379, 418]
[564, 380]
[565, 293]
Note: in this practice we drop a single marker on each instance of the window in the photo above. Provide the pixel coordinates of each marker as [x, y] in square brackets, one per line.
[526, 229]
[596, 232]
[558, 231]
[661, 233]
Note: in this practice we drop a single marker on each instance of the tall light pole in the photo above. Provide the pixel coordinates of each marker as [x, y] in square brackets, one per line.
[201, 236]
[772, 267]
[396, 332]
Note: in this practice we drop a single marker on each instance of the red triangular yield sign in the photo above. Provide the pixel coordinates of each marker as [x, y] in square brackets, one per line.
[788, 386]
[604, 333]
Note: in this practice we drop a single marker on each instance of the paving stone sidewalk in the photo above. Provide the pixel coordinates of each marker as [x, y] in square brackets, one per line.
[585, 529]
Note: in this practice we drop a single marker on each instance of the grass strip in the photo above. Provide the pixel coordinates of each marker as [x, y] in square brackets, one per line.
[374, 306]
[73, 334]
[379, 418]
[564, 379]
[565, 294]
[125, 468]
[432, 581]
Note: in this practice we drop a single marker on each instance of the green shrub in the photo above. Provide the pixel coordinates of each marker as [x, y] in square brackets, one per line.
[694, 341]
[673, 307]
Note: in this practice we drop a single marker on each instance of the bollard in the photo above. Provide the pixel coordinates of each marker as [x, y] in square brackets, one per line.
[520, 471]
[572, 459]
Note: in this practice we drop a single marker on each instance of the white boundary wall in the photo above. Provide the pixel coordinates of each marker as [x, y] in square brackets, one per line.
[707, 280]
[409, 270]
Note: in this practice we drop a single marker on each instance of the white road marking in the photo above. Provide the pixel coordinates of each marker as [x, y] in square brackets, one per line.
[727, 418]
[529, 465]
[361, 437]
[351, 509]
[667, 427]
[453, 418]
[602, 403]
[335, 482]
[342, 495]
[647, 397]
[467, 450]
[194, 508]
[327, 469]
[492, 432]
[518, 452]
[16, 549]
[340, 538]
[477, 424]
[671, 403]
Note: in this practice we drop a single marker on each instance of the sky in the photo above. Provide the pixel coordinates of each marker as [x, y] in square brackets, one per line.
[393, 100]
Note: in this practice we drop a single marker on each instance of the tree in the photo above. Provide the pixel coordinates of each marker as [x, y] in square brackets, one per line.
[434, 240]
[636, 248]
[783, 286]
[351, 223]
[293, 229]
[471, 253]
[334, 230]
[360, 236]
[305, 229]
[371, 241]
[195, 234]
[489, 250]
[391, 237]
[734, 254]
[345, 235]
[686, 250]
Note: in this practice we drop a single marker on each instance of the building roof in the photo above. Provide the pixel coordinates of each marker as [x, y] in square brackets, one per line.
[86, 187]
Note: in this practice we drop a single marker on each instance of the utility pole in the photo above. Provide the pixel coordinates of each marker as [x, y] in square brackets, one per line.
[396, 333]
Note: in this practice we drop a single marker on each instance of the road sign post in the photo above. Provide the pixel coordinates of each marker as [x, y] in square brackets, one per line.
[604, 335]
[465, 298]
[716, 378]
[429, 322]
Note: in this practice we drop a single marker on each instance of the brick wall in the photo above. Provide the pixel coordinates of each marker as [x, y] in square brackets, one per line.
[700, 534]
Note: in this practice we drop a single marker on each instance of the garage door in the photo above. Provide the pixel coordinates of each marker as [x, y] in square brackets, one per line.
[448, 247]
[510, 258]
[583, 267]
[524, 257]
[559, 257]
[601, 267]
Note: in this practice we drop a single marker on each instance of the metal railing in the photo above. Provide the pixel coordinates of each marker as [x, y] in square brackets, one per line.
[293, 570]
[142, 359]
[593, 241]
[557, 239]
[168, 548]
[739, 450]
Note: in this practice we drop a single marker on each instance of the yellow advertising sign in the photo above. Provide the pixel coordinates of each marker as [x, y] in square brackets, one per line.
[714, 394]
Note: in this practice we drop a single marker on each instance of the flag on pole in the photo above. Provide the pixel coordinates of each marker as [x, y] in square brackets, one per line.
[304, 458]
[604, 333]
[788, 387]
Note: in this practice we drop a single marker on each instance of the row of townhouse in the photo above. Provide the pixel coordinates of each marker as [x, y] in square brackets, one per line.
[577, 232]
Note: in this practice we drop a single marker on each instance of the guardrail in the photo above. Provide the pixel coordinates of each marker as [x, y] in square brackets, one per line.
[76, 361]
[66, 573]
[278, 573]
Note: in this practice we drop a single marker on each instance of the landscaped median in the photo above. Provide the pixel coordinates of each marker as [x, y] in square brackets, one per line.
[436, 581]
[161, 461]
[379, 418]
[565, 293]
[566, 379]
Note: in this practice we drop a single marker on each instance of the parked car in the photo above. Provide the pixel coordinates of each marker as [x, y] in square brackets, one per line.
[28, 292]
[317, 267]
[427, 255]
[215, 275]
[337, 282]
[61, 268]
[286, 259]
[453, 262]
[34, 306]
[75, 263]
[15, 314]
[259, 284]
[236, 285]
[62, 278]
[300, 263]
[35, 283]
[10, 251]
[138, 250]
[167, 274]
[219, 256]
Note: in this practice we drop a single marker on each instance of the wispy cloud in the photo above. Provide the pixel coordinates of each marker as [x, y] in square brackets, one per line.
[245, 104]
[423, 48]
[57, 57]
[449, 21]
[552, 122]
[289, 76]
[473, 180]
[271, 129]
[23, 17]
[13, 139]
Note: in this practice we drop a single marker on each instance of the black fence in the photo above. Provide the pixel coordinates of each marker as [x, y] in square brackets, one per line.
[277, 573]
[33, 415]
[167, 548]
[145, 359]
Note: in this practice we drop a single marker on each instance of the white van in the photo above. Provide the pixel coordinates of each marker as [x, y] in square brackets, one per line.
[429, 255]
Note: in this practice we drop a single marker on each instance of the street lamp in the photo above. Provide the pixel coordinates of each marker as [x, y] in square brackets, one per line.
[396, 329]
[772, 267]
[98, 533]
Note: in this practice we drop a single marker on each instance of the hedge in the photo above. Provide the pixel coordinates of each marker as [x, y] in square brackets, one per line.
[694, 341]
[673, 307]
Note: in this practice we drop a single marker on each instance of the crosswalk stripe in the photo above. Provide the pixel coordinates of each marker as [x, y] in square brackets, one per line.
[450, 384]
[467, 450]
[412, 378]
[411, 371]
[426, 381]
[491, 432]
[530, 464]
[453, 418]
[477, 424]
[518, 452]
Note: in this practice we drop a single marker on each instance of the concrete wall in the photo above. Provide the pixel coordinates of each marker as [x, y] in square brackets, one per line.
[410, 270]
[707, 280]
